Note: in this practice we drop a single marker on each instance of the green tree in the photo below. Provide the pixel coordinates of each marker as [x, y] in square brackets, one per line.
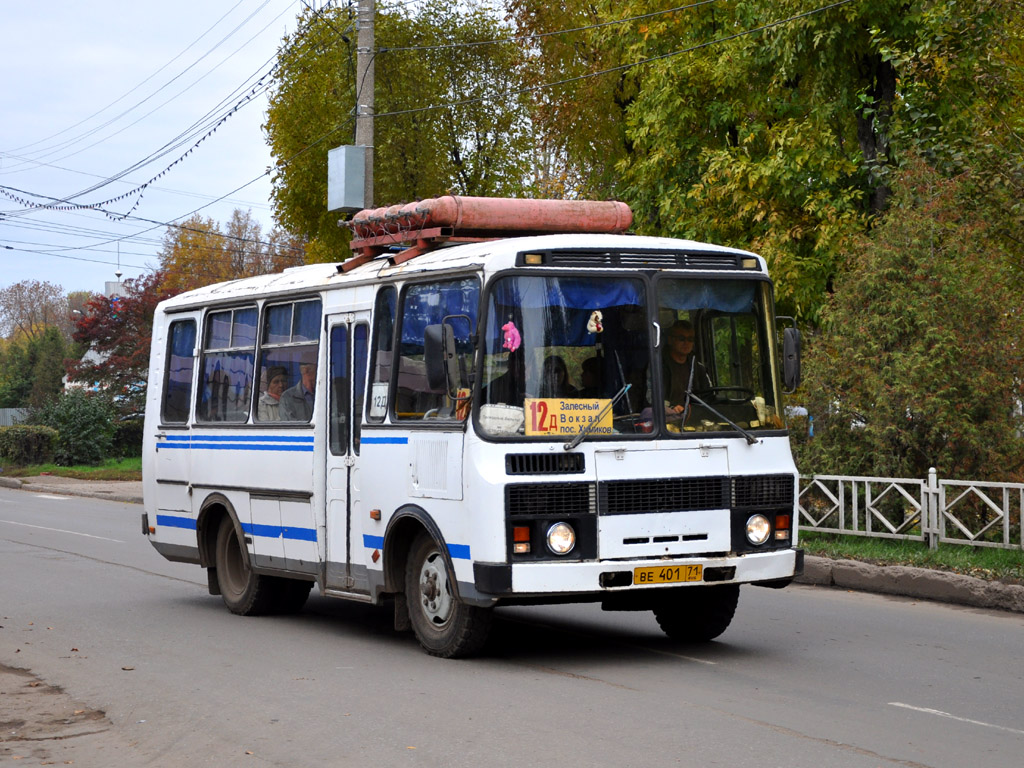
[85, 426]
[722, 124]
[477, 143]
[919, 361]
[32, 368]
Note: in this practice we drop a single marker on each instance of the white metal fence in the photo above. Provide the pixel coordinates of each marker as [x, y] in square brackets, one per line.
[932, 511]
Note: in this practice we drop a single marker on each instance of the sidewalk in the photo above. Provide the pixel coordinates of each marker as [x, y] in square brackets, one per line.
[916, 583]
[129, 491]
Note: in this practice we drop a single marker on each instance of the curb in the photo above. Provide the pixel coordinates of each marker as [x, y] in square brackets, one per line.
[907, 581]
[96, 489]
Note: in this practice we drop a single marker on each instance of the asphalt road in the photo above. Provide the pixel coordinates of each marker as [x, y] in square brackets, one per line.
[806, 676]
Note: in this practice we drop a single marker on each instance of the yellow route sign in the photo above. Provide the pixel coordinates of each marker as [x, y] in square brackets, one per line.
[565, 417]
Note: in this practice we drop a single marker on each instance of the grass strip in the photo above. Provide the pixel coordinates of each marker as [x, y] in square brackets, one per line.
[989, 563]
[111, 469]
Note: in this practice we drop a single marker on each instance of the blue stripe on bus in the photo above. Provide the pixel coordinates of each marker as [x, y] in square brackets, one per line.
[279, 532]
[457, 551]
[172, 521]
[237, 447]
[241, 438]
[384, 440]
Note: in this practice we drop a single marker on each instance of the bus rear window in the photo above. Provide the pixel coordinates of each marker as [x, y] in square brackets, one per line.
[181, 345]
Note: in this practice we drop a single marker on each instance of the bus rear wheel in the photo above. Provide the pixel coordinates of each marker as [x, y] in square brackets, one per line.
[444, 625]
[244, 591]
[698, 614]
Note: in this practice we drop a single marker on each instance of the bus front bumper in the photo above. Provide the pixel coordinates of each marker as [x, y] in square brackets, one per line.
[589, 577]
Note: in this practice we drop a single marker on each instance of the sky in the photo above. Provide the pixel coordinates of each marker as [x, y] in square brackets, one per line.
[90, 90]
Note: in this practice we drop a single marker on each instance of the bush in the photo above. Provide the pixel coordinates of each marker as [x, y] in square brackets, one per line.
[85, 423]
[128, 438]
[24, 444]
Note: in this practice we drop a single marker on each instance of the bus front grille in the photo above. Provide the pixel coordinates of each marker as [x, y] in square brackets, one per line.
[549, 499]
[762, 491]
[676, 494]
[560, 463]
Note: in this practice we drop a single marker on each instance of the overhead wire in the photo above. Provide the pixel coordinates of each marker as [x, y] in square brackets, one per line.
[140, 84]
[528, 89]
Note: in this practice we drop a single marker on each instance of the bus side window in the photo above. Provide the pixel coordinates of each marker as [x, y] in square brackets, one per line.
[288, 355]
[227, 369]
[178, 367]
[383, 346]
[426, 304]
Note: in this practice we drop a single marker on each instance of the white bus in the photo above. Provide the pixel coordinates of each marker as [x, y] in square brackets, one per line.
[522, 420]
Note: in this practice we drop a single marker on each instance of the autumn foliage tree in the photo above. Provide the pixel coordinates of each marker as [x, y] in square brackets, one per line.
[118, 331]
[200, 251]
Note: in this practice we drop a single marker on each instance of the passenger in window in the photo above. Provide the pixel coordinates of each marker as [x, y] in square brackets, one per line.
[297, 401]
[590, 378]
[677, 364]
[554, 378]
[268, 407]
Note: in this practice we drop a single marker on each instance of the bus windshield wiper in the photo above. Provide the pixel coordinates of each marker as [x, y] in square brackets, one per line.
[587, 428]
[750, 438]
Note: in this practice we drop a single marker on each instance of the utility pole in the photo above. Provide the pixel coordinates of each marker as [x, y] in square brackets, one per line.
[365, 88]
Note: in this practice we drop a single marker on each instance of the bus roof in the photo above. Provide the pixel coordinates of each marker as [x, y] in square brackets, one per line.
[492, 254]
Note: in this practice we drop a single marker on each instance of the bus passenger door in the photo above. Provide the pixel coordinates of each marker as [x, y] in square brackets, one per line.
[346, 389]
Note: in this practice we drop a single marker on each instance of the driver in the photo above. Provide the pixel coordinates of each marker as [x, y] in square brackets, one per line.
[676, 365]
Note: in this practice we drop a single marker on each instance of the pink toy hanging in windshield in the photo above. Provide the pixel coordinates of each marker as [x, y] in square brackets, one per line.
[512, 337]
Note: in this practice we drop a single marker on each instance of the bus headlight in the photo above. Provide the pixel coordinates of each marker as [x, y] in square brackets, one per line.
[561, 538]
[758, 529]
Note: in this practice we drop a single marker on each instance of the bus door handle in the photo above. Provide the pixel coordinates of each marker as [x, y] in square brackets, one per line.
[657, 333]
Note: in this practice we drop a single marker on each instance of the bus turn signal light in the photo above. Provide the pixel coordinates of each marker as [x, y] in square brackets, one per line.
[521, 539]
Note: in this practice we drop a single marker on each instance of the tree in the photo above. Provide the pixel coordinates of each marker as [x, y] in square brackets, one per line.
[29, 307]
[32, 368]
[919, 360]
[198, 252]
[782, 140]
[477, 143]
[118, 331]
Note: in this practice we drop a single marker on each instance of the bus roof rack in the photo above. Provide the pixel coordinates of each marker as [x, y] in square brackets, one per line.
[427, 224]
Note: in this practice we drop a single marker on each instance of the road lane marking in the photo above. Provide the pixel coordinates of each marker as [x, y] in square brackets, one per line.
[939, 713]
[61, 530]
[53, 498]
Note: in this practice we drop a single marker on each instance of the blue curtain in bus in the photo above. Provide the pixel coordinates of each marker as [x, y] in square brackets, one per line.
[722, 295]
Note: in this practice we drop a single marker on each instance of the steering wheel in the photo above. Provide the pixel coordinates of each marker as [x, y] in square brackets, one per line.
[743, 394]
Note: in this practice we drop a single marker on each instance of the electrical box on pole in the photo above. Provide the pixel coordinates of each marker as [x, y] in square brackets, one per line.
[346, 179]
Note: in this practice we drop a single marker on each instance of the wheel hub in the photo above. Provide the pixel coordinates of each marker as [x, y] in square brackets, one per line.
[435, 595]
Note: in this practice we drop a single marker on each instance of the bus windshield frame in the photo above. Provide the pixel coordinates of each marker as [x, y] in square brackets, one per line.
[556, 348]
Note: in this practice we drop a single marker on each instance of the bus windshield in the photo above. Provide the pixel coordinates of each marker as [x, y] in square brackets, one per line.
[563, 351]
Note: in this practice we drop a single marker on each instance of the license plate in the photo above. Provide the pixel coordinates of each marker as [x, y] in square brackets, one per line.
[668, 574]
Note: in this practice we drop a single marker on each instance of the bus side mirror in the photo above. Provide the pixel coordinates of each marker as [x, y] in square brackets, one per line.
[791, 359]
[439, 355]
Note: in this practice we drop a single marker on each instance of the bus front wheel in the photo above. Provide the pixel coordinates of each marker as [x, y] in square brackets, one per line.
[444, 625]
[698, 614]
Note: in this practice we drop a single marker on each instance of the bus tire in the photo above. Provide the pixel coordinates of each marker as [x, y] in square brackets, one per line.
[443, 625]
[698, 614]
[244, 592]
